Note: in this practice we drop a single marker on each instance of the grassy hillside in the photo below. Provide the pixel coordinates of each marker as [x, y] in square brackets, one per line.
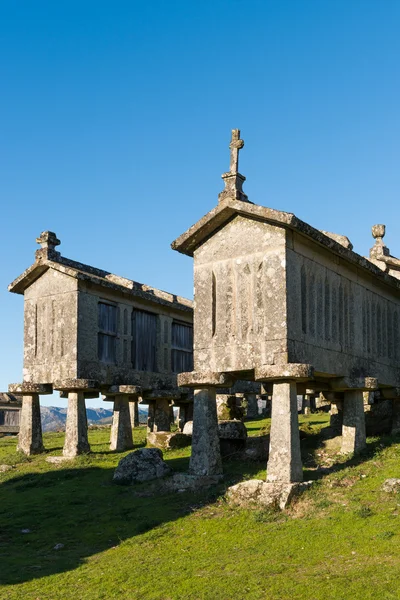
[340, 540]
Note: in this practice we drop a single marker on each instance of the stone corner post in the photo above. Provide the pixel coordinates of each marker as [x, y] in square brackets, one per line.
[30, 439]
[76, 434]
[121, 430]
[353, 431]
[284, 463]
[205, 459]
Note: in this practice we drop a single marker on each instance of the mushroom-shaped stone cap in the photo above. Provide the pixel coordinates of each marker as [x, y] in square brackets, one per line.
[378, 231]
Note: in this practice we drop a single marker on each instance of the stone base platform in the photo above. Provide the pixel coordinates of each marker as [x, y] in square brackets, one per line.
[262, 494]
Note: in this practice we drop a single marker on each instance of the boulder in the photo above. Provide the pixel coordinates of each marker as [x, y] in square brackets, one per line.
[188, 428]
[232, 437]
[391, 485]
[142, 465]
[261, 494]
[231, 430]
[168, 441]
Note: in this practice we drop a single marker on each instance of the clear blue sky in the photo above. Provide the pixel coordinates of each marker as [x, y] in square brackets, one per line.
[116, 118]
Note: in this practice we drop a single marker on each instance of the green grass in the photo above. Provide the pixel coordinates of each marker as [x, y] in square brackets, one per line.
[340, 540]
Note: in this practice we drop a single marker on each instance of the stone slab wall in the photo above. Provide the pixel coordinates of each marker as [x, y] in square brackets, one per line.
[240, 297]
[50, 328]
[88, 364]
[340, 319]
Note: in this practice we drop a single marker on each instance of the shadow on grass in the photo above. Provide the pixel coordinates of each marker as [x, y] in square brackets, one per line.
[351, 460]
[82, 510]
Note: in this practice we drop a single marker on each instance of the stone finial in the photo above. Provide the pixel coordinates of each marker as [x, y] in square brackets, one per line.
[48, 242]
[233, 179]
[379, 249]
[378, 232]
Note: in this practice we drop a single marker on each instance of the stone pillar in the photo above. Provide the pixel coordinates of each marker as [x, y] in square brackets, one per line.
[76, 436]
[252, 406]
[336, 418]
[284, 463]
[171, 415]
[306, 405]
[150, 417]
[134, 413]
[353, 432]
[396, 416]
[205, 459]
[30, 439]
[121, 430]
[162, 415]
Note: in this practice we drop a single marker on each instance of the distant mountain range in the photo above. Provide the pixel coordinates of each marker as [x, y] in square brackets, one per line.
[54, 417]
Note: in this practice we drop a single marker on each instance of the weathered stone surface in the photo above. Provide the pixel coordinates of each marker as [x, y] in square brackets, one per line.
[76, 439]
[121, 429]
[30, 388]
[204, 379]
[353, 433]
[168, 441]
[262, 494]
[131, 390]
[391, 485]
[30, 439]
[206, 455]
[289, 371]
[354, 383]
[284, 464]
[76, 384]
[142, 465]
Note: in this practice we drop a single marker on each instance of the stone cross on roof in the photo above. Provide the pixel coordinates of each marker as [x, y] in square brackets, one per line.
[48, 242]
[235, 145]
[233, 179]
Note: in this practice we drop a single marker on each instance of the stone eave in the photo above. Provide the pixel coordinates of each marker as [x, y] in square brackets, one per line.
[102, 279]
[21, 283]
[198, 233]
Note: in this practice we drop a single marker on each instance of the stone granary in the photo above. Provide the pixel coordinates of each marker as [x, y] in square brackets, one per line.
[281, 303]
[87, 332]
[10, 408]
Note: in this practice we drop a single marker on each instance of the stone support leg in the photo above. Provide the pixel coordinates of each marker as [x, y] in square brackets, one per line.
[284, 464]
[252, 406]
[121, 430]
[150, 417]
[134, 413]
[206, 455]
[336, 417]
[30, 439]
[353, 432]
[396, 416]
[76, 436]
[306, 405]
[162, 415]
